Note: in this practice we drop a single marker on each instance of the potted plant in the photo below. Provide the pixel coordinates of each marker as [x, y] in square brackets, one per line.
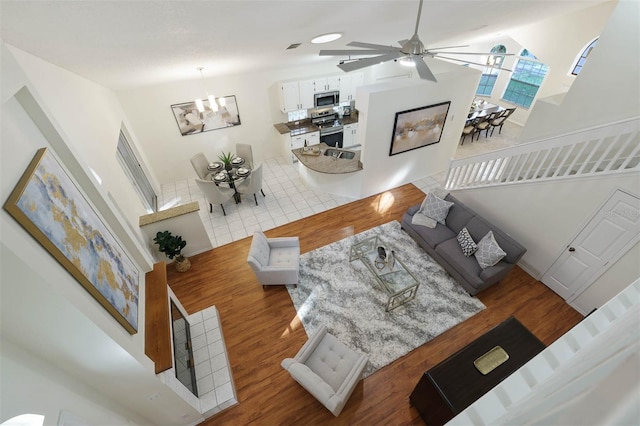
[226, 159]
[171, 246]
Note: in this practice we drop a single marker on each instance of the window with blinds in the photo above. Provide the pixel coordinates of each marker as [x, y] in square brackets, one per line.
[134, 171]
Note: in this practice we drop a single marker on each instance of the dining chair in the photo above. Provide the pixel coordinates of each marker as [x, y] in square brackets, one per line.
[252, 184]
[499, 121]
[486, 124]
[243, 150]
[215, 194]
[469, 129]
[200, 164]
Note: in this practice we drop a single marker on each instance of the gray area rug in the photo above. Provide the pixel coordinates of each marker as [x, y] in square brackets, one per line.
[345, 297]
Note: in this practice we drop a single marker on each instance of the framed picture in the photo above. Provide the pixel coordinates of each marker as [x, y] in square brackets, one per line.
[191, 121]
[418, 127]
[51, 207]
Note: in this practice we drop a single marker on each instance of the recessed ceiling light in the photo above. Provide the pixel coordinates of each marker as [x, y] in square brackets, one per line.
[326, 38]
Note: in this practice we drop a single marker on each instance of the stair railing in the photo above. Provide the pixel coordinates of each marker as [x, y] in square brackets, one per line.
[600, 150]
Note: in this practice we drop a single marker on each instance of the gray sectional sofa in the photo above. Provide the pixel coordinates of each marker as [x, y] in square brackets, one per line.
[441, 244]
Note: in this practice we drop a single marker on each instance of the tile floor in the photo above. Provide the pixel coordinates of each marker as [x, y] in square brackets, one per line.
[288, 198]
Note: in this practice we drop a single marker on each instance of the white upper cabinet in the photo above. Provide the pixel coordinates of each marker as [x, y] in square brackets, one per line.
[296, 95]
[306, 94]
[327, 84]
[348, 84]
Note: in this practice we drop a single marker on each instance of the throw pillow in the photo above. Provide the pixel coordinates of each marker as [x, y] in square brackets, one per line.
[467, 244]
[489, 252]
[420, 219]
[435, 208]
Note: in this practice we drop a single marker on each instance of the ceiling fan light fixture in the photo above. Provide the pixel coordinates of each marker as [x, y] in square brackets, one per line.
[326, 38]
[407, 62]
[413, 46]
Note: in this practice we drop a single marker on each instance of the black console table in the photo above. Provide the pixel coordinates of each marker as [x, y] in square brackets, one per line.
[451, 386]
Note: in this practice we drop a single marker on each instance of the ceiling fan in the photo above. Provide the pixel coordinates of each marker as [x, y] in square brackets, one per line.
[411, 49]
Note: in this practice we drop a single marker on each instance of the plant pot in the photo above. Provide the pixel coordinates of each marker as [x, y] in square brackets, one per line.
[182, 264]
[228, 167]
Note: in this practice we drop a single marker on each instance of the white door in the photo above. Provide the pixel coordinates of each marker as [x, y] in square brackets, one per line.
[611, 229]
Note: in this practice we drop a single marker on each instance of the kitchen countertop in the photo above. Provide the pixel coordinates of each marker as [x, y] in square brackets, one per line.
[325, 164]
[305, 126]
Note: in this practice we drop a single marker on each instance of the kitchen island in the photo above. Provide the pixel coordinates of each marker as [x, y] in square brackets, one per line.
[329, 173]
[338, 161]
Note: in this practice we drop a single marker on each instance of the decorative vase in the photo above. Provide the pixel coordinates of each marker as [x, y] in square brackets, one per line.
[182, 264]
[228, 167]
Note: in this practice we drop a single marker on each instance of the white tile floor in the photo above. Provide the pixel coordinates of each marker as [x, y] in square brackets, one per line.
[287, 197]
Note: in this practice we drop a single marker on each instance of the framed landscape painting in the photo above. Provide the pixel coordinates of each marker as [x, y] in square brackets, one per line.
[191, 121]
[49, 205]
[418, 127]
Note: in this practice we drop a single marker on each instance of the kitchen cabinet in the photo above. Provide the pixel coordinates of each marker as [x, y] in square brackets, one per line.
[348, 85]
[296, 95]
[312, 138]
[327, 84]
[350, 135]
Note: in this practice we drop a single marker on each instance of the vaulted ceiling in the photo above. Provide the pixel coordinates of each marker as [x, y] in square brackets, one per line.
[128, 44]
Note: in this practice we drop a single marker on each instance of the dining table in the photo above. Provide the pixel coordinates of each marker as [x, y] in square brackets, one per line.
[483, 110]
[229, 177]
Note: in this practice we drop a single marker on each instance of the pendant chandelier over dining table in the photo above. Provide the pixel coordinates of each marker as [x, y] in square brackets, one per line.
[212, 99]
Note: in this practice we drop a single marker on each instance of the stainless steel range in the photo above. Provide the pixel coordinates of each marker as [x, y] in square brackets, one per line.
[331, 128]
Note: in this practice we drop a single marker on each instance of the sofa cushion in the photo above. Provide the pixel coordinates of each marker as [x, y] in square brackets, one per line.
[458, 217]
[435, 208]
[332, 360]
[467, 267]
[489, 252]
[478, 228]
[434, 236]
[467, 244]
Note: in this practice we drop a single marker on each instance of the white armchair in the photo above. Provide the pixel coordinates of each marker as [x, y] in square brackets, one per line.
[275, 261]
[327, 369]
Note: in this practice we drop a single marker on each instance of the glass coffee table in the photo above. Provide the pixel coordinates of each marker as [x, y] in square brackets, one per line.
[394, 278]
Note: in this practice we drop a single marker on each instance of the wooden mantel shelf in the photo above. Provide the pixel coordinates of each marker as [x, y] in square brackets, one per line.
[150, 218]
[157, 337]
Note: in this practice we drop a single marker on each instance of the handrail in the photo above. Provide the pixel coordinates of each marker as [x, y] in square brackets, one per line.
[604, 149]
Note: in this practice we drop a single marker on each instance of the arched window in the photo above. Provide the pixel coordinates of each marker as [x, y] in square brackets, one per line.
[583, 57]
[526, 79]
[490, 72]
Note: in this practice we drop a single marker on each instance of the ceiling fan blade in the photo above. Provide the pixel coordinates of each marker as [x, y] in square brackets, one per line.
[423, 70]
[365, 62]
[448, 47]
[372, 46]
[472, 53]
[468, 62]
[352, 52]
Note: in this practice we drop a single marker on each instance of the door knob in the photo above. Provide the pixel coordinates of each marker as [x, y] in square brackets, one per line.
[571, 249]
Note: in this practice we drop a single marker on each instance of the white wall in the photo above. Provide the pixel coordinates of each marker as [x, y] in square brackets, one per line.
[44, 309]
[91, 118]
[32, 385]
[606, 89]
[544, 217]
[149, 109]
[378, 105]
[556, 42]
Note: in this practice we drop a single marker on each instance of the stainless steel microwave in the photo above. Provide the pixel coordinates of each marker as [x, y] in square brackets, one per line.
[326, 99]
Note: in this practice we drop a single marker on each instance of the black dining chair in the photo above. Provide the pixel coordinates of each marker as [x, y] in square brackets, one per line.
[471, 128]
[499, 121]
[486, 124]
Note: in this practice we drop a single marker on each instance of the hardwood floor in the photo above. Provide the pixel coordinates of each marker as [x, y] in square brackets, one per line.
[261, 328]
